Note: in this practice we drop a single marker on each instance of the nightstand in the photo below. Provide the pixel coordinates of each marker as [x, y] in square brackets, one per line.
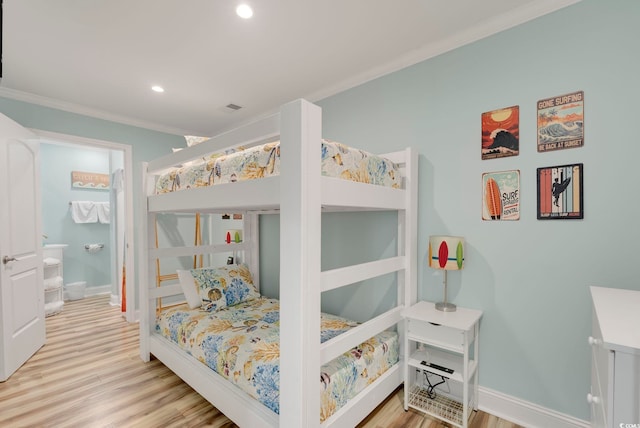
[441, 348]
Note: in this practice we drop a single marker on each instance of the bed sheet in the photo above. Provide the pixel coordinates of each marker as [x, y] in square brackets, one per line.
[338, 161]
[241, 343]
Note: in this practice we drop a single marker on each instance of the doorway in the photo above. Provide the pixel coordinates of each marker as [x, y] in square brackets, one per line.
[101, 253]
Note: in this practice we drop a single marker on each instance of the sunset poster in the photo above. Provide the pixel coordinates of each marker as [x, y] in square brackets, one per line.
[561, 122]
[501, 133]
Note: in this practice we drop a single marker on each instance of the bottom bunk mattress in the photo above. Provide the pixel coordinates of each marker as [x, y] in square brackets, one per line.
[242, 344]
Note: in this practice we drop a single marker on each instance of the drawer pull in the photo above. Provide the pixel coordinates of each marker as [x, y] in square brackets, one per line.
[593, 341]
[593, 399]
[433, 323]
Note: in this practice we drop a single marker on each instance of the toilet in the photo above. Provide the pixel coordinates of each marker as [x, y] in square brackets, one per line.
[75, 290]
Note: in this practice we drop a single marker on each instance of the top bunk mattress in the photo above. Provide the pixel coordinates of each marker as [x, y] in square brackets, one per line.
[338, 161]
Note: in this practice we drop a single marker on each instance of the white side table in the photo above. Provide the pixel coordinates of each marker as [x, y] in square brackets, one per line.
[441, 348]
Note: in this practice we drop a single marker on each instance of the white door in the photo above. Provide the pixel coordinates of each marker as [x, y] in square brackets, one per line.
[22, 324]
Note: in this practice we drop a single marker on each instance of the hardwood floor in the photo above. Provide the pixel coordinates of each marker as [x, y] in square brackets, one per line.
[89, 374]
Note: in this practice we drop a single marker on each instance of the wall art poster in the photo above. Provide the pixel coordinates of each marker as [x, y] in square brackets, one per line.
[89, 180]
[501, 195]
[501, 133]
[560, 193]
[561, 122]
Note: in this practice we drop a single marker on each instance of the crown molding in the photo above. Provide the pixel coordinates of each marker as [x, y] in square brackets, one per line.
[87, 111]
[498, 24]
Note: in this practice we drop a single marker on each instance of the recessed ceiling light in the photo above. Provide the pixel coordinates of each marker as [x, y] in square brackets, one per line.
[244, 11]
[157, 88]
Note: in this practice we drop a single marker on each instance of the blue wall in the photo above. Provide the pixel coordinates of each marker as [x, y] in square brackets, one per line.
[530, 277]
[56, 164]
[347, 239]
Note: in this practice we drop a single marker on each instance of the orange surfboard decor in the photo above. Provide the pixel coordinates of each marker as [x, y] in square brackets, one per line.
[492, 199]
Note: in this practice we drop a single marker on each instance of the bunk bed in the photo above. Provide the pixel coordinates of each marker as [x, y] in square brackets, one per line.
[299, 192]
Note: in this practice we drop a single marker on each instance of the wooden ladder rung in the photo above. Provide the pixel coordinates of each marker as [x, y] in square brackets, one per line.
[168, 277]
[197, 261]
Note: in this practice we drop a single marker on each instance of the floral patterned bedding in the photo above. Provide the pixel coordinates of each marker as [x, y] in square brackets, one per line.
[242, 344]
[338, 161]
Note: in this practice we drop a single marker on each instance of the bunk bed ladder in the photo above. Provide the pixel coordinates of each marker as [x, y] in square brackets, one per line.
[197, 260]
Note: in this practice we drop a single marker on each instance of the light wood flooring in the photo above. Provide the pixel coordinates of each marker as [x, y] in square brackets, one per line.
[89, 374]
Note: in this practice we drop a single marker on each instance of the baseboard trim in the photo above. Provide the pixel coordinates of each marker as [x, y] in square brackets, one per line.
[114, 300]
[523, 412]
[93, 291]
[100, 289]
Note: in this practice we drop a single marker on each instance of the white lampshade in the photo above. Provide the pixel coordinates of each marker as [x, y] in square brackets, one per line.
[446, 252]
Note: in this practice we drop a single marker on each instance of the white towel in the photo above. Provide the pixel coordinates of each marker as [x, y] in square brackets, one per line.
[84, 212]
[51, 261]
[117, 179]
[104, 212]
[53, 283]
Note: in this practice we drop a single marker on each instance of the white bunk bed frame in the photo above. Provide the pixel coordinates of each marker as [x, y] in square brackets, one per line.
[300, 193]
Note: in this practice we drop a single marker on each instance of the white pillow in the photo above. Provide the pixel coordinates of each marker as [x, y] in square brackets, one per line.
[189, 289]
[192, 140]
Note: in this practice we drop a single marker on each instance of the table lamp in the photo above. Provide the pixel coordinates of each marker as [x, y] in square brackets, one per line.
[446, 253]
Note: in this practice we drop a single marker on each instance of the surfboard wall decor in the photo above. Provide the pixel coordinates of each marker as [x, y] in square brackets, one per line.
[501, 195]
[560, 192]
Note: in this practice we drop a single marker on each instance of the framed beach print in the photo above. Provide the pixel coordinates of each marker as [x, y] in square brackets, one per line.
[560, 192]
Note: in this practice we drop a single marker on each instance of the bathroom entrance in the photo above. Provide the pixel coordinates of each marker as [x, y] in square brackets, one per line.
[87, 211]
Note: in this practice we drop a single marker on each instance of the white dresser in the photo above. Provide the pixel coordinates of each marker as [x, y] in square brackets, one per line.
[615, 358]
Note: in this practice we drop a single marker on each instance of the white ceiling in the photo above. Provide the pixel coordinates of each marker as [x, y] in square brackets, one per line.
[100, 57]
